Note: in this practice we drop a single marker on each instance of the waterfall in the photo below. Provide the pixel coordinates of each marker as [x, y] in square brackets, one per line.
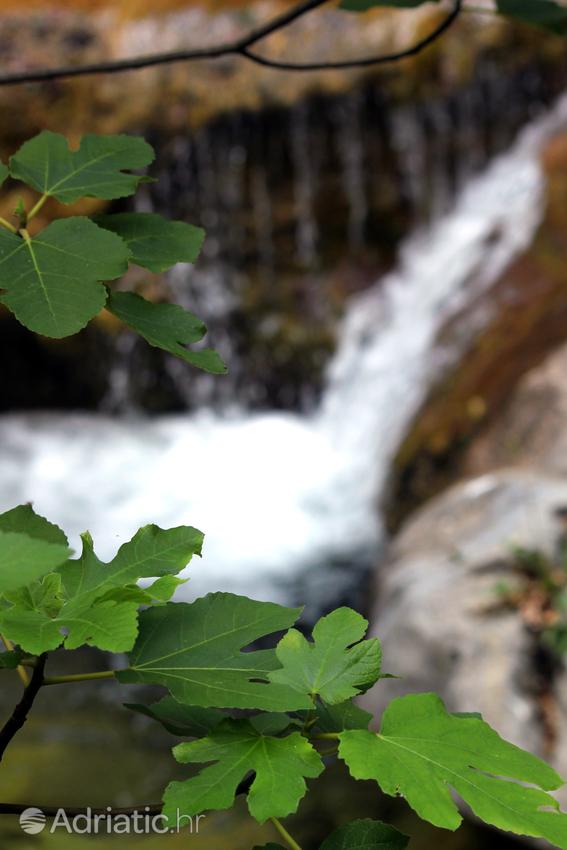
[288, 501]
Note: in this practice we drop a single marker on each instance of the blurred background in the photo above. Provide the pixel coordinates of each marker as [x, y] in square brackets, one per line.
[385, 275]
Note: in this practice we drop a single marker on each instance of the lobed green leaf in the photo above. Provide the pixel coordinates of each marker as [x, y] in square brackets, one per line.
[422, 752]
[280, 766]
[337, 665]
[30, 547]
[97, 603]
[52, 282]
[155, 242]
[95, 170]
[195, 650]
[166, 326]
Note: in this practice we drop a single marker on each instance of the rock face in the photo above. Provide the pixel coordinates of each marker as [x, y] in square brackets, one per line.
[436, 615]
[527, 310]
[530, 430]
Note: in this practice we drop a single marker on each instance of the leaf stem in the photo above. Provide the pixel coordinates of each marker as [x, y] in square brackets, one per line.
[78, 677]
[36, 208]
[7, 225]
[22, 672]
[291, 842]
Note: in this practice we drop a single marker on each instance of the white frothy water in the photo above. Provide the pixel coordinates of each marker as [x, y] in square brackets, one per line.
[281, 496]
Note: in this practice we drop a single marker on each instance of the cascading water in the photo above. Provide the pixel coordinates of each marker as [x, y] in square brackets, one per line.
[288, 500]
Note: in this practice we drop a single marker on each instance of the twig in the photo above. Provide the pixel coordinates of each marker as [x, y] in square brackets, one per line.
[367, 61]
[21, 711]
[238, 47]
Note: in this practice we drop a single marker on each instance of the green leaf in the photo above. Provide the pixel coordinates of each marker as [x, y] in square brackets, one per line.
[24, 559]
[541, 13]
[365, 835]
[343, 715]
[97, 603]
[109, 626]
[24, 520]
[52, 282]
[155, 242]
[153, 551]
[166, 326]
[194, 650]
[43, 595]
[95, 170]
[366, 5]
[187, 721]
[422, 752]
[337, 665]
[280, 766]
[10, 660]
[4, 172]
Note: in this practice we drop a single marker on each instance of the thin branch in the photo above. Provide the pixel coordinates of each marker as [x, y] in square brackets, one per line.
[78, 677]
[367, 61]
[238, 47]
[21, 711]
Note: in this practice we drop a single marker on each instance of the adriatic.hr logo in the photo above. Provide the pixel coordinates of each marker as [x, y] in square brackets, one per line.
[108, 822]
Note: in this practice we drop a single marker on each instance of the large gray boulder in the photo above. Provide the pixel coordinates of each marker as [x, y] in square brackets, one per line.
[434, 597]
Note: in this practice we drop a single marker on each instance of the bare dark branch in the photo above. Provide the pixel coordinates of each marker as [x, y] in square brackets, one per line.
[21, 711]
[367, 61]
[238, 47]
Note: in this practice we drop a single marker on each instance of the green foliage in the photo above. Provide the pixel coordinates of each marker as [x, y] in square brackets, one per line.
[359, 835]
[365, 835]
[52, 282]
[201, 652]
[195, 650]
[296, 691]
[154, 242]
[280, 766]
[95, 170]
[10, 660]
[57, 280]
[541, 13]
[546, 14]
[538, 591]
[86, 601]
[186, 721]
[337, 665]
[166, 326]
[30, 547]
[422, 752]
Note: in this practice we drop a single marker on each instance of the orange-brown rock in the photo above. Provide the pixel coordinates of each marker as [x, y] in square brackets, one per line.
[528, 305]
